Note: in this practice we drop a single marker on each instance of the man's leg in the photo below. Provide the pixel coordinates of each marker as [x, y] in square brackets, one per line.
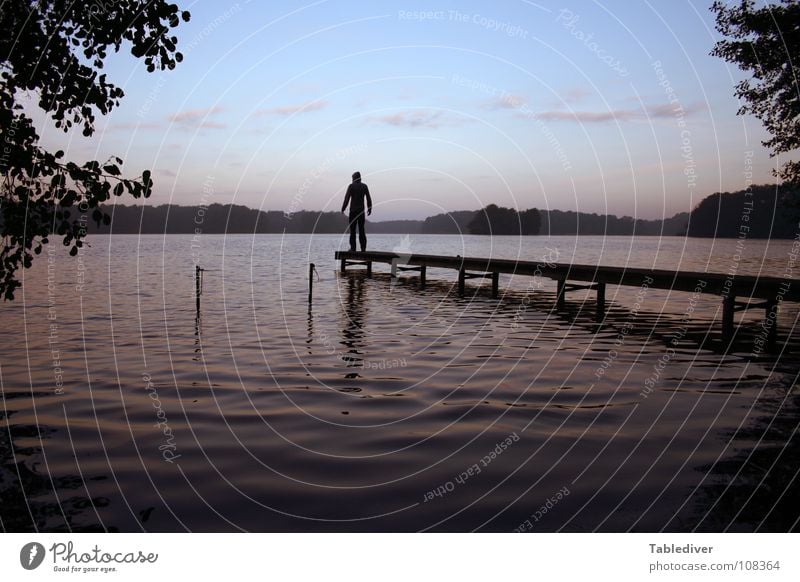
[362, 235]
[353, 225]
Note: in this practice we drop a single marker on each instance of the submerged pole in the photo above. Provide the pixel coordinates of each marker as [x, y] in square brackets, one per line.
[728, 309]
[197, 289]
[601, 298]
[560, 292]
[771, 321]
[310, 282]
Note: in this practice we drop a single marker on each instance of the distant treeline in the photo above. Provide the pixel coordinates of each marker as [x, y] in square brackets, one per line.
[217, 219]
[498, 220]
[765, 211]
[760, 212]
[233, 219]
[508, 221]
[569, 222]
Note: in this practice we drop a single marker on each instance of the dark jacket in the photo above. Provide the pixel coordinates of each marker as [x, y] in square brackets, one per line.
[356, 192]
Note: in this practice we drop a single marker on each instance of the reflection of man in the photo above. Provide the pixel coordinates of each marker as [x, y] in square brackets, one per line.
[356, 192]
[353, 332]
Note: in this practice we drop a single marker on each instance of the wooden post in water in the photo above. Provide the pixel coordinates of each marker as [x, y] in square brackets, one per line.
[422, 276]
[198, 289]
[310, 282]
[560, 292]
[495, 284]
[728, 309]
[601, 297]
[461, 276]
[772, 332]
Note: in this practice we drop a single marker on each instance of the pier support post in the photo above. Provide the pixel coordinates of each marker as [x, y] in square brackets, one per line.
[495, 284]
[601, 298]
[560, 292]
[728, 309]
[772, 331]
[198, 286]
[344, 265]
[369, 268]
[422, 271]
[461, 277]
[310, 282]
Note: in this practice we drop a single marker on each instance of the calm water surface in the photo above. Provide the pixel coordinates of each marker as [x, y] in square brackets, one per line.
[387, 407]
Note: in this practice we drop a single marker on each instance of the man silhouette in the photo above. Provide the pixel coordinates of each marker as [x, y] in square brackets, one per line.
[356, 192]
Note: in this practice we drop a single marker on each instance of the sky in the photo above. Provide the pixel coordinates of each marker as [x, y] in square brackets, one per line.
[608, 107]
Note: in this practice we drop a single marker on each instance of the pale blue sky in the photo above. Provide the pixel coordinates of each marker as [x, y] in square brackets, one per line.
[440, 105]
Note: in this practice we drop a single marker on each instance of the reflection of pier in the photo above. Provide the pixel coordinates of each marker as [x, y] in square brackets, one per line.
[771, 290]
[353, 331]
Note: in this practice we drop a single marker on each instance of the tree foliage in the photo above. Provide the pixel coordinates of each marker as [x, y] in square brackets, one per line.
[761, 211]
[497, 220]
[452, 222]
[52, 53]
[765, 42]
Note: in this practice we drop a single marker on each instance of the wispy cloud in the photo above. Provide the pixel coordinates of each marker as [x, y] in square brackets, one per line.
[590, 116]
[286, 110]
[574, 95]
[650, 112]
[418, 118]
[516, 101]
[505, 101]
[130, 126]
[197, 118]
[667, 110]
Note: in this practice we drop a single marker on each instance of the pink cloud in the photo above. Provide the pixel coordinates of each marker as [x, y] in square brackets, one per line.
[293, 109]
[661, 111]
[574, 95]
[197, 117]
[130, 126]
[590, 116]
[418, 118]
[507, 101]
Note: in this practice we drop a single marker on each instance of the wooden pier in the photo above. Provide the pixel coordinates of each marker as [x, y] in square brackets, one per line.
[770, 290]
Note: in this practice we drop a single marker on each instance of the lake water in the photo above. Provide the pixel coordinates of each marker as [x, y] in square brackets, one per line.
[384, 406]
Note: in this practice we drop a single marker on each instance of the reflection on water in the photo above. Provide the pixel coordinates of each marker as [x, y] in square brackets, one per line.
[386, 406]
[355, 311]
[32, 499]
[756, 485]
